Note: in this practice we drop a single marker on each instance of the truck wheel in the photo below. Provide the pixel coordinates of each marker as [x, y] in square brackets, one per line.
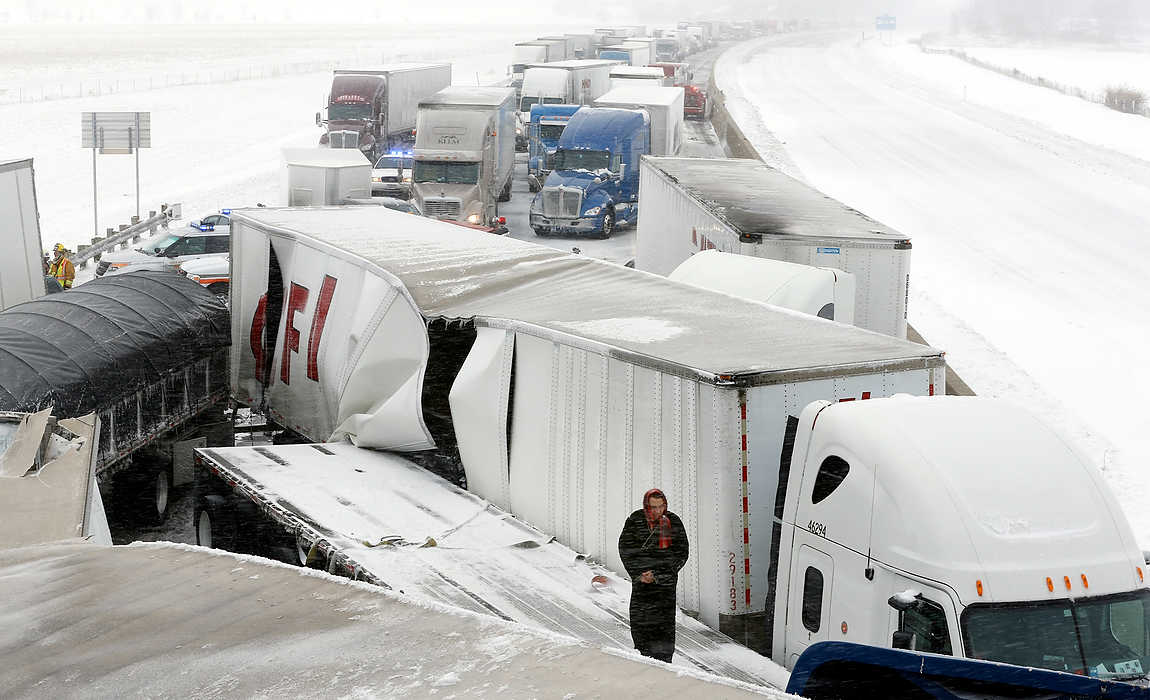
[220, 289]
[215, 522]
[608, 224]
[539, 232]
[505, 193]
[161, 494]
[531, 186]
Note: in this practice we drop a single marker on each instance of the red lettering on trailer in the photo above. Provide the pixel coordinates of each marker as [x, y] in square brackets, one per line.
[319, 319]
[865, 396]
[297, 301]
[256, 336]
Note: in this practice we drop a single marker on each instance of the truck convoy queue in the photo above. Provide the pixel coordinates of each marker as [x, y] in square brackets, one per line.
[830, 492]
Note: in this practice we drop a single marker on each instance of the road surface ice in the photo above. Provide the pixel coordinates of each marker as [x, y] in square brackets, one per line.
[1027, 212]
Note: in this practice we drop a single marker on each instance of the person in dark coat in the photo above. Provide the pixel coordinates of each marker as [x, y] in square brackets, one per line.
[653, 547]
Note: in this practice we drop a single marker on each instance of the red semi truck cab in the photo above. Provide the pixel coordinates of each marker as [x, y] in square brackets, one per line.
[694, 102]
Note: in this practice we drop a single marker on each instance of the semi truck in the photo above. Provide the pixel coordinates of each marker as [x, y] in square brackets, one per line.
[560, 408]
[641, 75]
[593, 186]
[544, 130]
[746, 207]
[638, 54]
[465, 153]
[667, 48]
[146, 352]
[664, 105]
[374, 109]
[959, 526]
[22, 268]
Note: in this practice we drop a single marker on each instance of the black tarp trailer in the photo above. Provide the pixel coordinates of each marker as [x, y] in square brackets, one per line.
[147, 352]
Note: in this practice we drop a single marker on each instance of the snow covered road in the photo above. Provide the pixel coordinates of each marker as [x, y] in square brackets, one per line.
[1028, 219]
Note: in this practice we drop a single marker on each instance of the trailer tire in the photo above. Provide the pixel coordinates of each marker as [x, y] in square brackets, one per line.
[161, 487]
[532, 186]
[215, 522]
[505, 193]
[220, 289]
[539, 232]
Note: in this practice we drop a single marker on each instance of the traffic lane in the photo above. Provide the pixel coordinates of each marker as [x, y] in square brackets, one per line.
[619, 248]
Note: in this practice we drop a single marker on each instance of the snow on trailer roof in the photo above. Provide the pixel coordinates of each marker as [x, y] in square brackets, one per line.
[455, 273]
[414, 532]
[326, 157]
[575, 63]
[637, 71]
[461, 95]
[640, 95]
[753, 198]
[210, 623]
[389, 68]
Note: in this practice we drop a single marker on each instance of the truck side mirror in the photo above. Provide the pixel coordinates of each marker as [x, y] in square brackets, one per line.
[904, 601]
[622, 170]
[318, 119]
[901, 640]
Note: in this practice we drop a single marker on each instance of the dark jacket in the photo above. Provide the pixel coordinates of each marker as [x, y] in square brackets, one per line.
[639, 550]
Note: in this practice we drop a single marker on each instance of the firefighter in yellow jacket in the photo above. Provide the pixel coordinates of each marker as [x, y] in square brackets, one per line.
[62, 268]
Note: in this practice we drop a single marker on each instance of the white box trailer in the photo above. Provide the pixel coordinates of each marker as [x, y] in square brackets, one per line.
[641, 75]
[576, 82]
[746, 207]
[319, 176]
[22, 266]
[819, 291]
[574, 384]
[663, 104]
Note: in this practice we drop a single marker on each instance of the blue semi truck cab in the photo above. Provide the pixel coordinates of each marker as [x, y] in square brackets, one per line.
[546, 125]
[594, 186]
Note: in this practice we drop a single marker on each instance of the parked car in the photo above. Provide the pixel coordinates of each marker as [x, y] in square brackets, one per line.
[391, 175]
[152, 252]
[211, 271]
[168, 254]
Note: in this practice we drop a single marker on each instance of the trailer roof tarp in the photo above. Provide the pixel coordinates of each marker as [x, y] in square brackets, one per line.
[79, 350]
[455, 273]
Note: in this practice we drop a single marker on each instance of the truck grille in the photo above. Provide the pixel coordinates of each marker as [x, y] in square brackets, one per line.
[102, 268]
[562, 201]
[343, 139]
[438, 208]
[389, 178]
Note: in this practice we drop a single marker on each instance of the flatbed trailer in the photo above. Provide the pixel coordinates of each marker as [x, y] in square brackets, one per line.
[376, 517]
[79, 624]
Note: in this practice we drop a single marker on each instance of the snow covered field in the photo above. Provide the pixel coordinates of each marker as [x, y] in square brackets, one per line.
[1027, 209]
[1091, 69]
[213, 145]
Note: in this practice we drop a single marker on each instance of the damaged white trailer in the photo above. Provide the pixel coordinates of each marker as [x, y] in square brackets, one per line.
[574, 384]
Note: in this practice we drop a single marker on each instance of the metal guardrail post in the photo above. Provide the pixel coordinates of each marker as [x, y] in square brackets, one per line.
[125, 236]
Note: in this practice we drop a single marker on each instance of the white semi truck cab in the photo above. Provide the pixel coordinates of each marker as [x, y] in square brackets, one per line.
[953, 525]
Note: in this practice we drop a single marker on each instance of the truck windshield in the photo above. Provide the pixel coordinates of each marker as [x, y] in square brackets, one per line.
[582, 160]
[393, 163]
[338, 112]
[446, 173]
[551, 132]
[1104, 637]
[526, 103]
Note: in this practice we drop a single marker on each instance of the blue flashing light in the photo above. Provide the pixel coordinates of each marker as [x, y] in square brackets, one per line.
[226, 212]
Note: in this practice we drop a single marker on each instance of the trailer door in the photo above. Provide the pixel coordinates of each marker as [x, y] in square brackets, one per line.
[808, 611]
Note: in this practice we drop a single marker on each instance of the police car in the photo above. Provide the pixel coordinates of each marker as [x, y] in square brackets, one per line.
[208, 236]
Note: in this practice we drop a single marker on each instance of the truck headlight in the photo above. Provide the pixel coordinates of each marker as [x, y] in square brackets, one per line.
[407, 179]
[473, 219]
[593, 211]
